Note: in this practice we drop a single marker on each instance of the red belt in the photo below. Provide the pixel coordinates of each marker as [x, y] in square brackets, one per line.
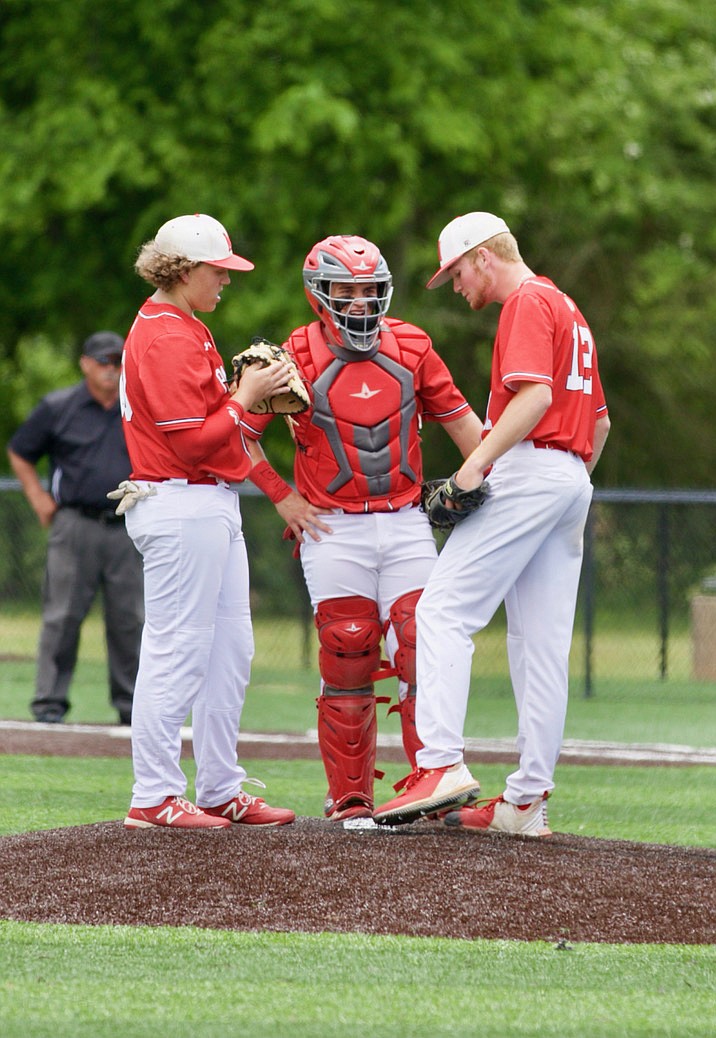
[543, 445]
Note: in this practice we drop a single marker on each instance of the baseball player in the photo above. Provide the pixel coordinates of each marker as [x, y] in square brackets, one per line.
[545, 427]
[182, 427]
[372, 380]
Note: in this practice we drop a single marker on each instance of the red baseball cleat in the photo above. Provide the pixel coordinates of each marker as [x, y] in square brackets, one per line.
[429, 790]
[497, 815]
[356, 806]
[173, 813]
[247, 810]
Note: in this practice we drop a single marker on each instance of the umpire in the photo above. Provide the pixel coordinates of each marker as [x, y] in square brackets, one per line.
[79, 429]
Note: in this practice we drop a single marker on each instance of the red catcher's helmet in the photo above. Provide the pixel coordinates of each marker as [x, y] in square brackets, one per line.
[348, 259]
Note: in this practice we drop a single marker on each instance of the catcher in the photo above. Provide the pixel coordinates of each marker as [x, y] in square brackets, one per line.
[365, 545]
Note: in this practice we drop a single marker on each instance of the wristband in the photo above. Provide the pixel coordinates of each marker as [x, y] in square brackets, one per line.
[269, 482]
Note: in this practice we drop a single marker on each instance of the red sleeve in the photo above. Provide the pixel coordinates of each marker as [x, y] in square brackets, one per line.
[600, 402]
[526, 341]
[439, 397]
[180, 381]
[253, 425]
[196, 443]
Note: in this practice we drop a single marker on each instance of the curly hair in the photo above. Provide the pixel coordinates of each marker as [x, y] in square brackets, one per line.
[159, 269]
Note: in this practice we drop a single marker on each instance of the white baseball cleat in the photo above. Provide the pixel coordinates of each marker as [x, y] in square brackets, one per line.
[497, 815]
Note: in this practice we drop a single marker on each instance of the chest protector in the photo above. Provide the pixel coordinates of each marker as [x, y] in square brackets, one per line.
[358, 447]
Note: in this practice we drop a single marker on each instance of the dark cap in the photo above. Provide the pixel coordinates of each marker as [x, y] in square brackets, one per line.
[103, 345]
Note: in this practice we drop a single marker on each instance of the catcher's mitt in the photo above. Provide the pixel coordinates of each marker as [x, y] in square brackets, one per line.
[263, 352]
[434, 494]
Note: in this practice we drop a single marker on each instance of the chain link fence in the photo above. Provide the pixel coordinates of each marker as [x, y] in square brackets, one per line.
[647, 604]
[646, 611]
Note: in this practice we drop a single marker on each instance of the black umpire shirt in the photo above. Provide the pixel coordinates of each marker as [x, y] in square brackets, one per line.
[85, 445]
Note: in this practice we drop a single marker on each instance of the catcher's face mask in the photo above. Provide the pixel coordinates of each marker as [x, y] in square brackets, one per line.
[352, 314]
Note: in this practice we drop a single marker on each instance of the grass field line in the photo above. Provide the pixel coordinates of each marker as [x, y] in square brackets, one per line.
[637, 753]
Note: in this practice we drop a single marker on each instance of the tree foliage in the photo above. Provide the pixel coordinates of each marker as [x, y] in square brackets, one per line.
[589, 126]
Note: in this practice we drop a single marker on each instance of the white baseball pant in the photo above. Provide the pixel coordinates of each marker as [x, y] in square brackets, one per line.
[197, 644]
[377, 555]
[523, 546]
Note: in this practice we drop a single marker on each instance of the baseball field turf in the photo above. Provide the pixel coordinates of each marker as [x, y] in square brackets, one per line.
[135, 981]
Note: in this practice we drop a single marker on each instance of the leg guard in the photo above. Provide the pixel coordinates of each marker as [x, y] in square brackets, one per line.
[402, 618]
[349, 634]
[347, 730]
[411, 741]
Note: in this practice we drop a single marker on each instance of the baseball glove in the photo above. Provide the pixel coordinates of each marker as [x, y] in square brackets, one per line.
[263, 352]
[435, 493]
[128, 493]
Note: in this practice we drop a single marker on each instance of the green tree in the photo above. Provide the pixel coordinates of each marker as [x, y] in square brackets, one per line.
[588, 126]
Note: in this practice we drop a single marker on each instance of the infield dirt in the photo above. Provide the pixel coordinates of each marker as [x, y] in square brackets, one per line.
[314, 876]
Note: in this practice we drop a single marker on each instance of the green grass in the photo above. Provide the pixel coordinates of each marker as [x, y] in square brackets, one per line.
[664, 805]
[137, 982]
[283, 691]
[622, 647]
[19, 631]
[283, 698]
[92, 982]
[624, 708]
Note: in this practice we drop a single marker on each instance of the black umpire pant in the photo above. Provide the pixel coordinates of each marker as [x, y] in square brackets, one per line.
[88, 552]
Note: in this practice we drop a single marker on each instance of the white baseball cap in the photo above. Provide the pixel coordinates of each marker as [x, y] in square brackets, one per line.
[199, 238]
[459, 236]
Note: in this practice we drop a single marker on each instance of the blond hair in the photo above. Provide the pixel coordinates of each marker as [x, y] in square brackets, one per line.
[159, 269]
[503, 245]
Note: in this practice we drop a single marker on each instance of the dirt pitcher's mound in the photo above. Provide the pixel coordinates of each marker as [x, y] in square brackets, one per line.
[423, 880]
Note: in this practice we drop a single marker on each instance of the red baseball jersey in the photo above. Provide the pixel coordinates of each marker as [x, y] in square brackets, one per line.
[173, 379]
[543, 337]
[358, 446]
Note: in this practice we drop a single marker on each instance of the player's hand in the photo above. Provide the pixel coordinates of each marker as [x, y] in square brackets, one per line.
[302, 517]
[446, 503]
[259, 381]
[465, 485]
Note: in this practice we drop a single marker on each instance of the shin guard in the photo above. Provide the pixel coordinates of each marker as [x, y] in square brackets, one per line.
[411, 740]
[347, 730]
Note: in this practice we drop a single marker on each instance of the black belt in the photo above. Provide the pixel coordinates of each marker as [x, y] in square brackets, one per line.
[105, 516]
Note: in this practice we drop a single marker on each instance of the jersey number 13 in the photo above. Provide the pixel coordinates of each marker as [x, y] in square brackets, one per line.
[579, 379]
